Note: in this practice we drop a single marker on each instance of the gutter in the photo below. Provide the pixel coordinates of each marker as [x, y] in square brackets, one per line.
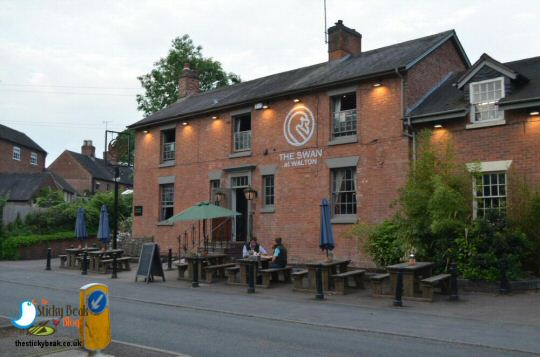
[267, 98]
[403, 117]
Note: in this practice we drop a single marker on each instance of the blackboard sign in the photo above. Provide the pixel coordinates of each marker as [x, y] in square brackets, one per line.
[150, 263]
[138, 210]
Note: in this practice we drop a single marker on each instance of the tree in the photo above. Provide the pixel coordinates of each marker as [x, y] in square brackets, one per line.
[161, 84]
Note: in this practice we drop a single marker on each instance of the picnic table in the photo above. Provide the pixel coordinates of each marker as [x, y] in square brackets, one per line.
[260, 262]
[72, 254]
[97, 256]
[412, 274]
[204, 261]
[329, 268]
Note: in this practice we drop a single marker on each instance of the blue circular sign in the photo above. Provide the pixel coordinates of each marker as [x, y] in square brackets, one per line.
[97, 302]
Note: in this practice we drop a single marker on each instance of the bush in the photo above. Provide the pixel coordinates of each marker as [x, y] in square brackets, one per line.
[384, 244]
[9, 247]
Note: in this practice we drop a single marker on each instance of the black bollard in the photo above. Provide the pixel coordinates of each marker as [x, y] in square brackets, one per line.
[195, 281]
[251, 278]
[319, 283]
[453, 282]
[48, 267]
[169, 260]
[85, 263]
[399, 289]
[504, 287]
[114, 267]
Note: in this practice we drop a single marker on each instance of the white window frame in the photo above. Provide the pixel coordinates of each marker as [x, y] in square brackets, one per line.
[265, 186]
[473, 110]
[16, 153]
[488, 167]
[33, 158]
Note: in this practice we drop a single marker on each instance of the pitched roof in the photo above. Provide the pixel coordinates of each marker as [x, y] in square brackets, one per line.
[24, 186]
[448, 100]
[19, 138]
[99, 168]
[367, 64]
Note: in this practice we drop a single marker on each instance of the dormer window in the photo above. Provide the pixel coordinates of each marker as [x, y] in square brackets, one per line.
[485, 96]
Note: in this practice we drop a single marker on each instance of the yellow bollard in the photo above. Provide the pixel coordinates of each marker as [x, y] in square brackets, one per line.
[95, 326]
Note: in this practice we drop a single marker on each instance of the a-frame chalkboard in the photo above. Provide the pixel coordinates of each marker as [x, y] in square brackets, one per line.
[150, 263]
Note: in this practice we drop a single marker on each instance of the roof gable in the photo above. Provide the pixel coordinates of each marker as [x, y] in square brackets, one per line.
[25, 186]
[99, 169]
[369, 64]
[483, 61]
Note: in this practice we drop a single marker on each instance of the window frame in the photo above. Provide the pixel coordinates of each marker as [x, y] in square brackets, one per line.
[350, 112]
[244, 135]
[171, 158]
[334, 193]
[33, 155]
[472, 105]
[480, 175]
[271, 195]
[169, 205]
[16, 153]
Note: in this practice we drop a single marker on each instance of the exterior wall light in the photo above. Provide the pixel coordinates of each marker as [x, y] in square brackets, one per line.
[218, 197]
[265, 106]
[437, 126]
[185, 123]
[296, 100]
[250, 193]
[377, 84]
[145, 131]
[214, 117]
[534, 113]
[259, 106]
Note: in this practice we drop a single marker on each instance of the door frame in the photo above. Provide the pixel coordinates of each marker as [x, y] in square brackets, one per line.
[233, 199]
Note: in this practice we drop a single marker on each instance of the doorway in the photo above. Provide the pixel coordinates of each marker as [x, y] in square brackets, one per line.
[241, 205]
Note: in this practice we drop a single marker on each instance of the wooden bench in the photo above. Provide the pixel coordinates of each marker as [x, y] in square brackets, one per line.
[124, 262]
[428, 285]
[182, 267]
[231, 274]
[63, 260]
[213, 270]
[341, 280]
[298, 279]
[377, 281]
[268, 273]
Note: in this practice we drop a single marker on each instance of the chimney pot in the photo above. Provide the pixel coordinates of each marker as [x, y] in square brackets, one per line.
[188, 83]
[88, 149]
[343, 41]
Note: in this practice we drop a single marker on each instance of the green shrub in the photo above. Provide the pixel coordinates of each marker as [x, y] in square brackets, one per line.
[384, 244]
[10, 245]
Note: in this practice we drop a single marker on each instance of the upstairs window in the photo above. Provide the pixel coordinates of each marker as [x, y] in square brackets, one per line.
[344, 115]
[168, 145]
[33, 159]
[484, 98]
[242, 133]
[17, 153]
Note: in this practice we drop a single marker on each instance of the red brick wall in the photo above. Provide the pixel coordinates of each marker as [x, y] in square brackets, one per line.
[205, 144]
[431, 70]
[8, 165]
[518, 141]
[68, 168]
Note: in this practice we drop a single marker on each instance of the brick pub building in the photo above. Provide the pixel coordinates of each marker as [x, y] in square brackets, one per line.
[342, 130]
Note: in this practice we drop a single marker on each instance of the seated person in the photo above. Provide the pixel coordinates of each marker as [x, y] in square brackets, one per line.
[279, 259]
[253, 247]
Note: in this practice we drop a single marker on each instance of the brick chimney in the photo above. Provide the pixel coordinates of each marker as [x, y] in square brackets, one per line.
[88, 149]
[188, 83]
[343, 41]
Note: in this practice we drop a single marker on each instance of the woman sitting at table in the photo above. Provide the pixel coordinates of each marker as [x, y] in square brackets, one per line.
[279, 259]
[252, 248]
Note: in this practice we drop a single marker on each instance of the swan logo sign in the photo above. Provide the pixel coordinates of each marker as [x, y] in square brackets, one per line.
[299, 126]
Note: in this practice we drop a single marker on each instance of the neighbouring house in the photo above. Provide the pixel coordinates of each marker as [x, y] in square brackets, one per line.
[19, 153]
[344, 129]
[88, 174]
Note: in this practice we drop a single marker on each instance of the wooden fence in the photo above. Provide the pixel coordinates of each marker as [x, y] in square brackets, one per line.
[11, 211]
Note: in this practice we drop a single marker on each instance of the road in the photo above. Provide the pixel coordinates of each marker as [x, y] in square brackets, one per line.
[216, 323]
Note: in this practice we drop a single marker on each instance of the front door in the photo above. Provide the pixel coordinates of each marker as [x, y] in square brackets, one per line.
[240, 205]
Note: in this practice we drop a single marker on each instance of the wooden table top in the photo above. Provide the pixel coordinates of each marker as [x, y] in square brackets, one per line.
[76, 250]
[253, 259]
[109, 251]
[326, 263]
[407, 266]
[204, 257]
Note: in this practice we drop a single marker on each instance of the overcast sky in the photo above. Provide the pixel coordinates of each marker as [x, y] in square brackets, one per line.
[66, 67]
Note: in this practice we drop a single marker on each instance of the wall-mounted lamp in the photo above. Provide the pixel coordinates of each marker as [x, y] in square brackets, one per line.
[259, 106]
[214, 117]
[377, 84]
[218, 197]
[265, 106]
[534, 113]
[437, 126]
[296, 100]
[145, 131]
[185, 123]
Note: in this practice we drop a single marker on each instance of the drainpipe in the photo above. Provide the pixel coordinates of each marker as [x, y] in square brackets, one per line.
[409, 124]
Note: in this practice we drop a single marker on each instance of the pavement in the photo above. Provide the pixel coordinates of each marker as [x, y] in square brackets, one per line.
[218, 319]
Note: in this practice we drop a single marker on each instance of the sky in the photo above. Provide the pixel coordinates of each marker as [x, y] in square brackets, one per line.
[68, 69]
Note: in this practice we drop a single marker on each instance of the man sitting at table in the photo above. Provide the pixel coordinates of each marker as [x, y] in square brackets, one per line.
[253, 247]
[279, 259]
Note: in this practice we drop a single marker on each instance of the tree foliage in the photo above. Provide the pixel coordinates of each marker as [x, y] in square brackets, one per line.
[161, 84]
